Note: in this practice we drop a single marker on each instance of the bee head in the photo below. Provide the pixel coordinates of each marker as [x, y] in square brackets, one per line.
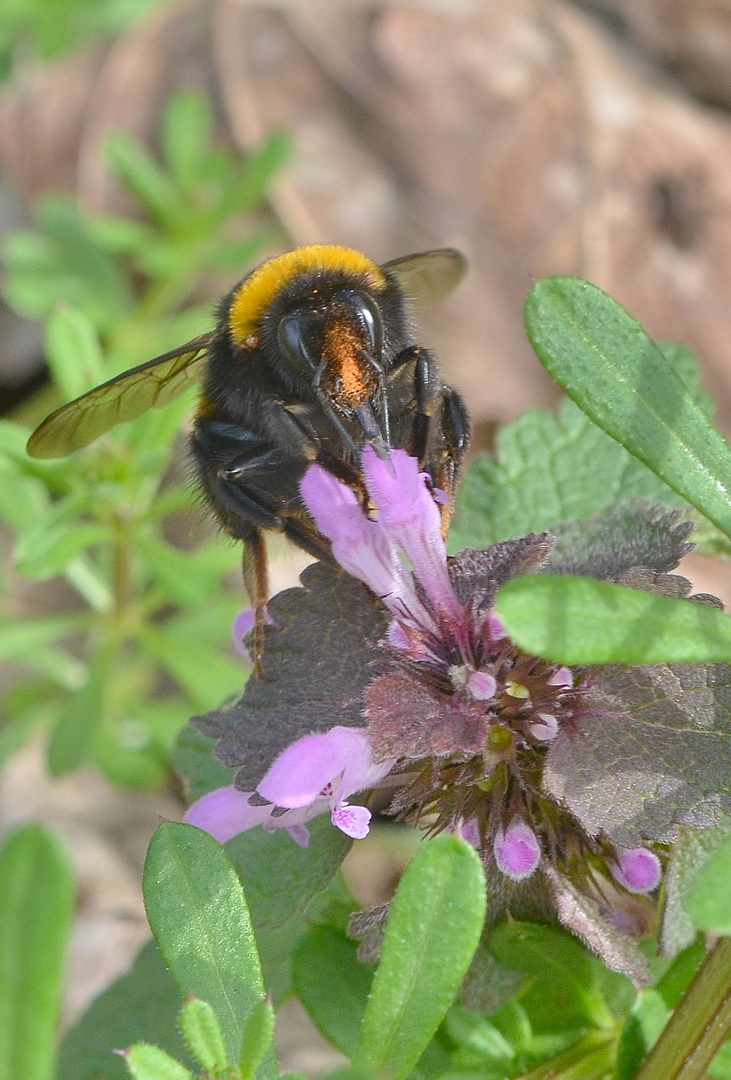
[316, 315]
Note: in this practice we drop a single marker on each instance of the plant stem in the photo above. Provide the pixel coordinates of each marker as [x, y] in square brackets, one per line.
[698, 1026]
[592, 1058]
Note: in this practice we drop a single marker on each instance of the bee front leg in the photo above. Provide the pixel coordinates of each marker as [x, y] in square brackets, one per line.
[454, 426]
[440, 425]
[427, 390]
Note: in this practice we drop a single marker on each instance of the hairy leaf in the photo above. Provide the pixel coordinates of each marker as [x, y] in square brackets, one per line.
[580, 914]
[548, 469]
[607, 363]
[619, 538]
[265, 860]
[649, 750]
[317, 662]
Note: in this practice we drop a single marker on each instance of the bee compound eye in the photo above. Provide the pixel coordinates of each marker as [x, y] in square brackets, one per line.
[292, 338]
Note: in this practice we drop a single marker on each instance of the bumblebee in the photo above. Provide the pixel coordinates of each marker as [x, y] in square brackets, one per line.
[312, 358]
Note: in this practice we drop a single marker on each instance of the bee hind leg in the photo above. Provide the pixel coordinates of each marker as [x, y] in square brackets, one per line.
[256, 582]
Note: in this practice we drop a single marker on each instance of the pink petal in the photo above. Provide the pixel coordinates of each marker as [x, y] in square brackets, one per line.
[546, 729]
[300, 834]
[410, 518]
[563, 678]
[481, 685]
[242, 627]
[304, 770]
[354, 821]
[359, 544]
[470, 831]
[226, 812]
[517, 851]
[637, 869]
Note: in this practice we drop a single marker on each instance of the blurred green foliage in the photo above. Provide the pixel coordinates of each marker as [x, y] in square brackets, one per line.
[143, 642]
[40, 30]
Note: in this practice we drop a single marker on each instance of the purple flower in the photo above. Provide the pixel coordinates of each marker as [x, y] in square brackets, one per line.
[638, 870]
[314, 775]
[517, 851]
[571, 784]
[243, 626]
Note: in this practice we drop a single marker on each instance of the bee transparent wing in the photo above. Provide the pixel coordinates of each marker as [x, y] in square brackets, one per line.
[429, 276]
[123, 398]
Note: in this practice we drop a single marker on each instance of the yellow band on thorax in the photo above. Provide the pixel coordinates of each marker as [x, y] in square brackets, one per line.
[258, 291]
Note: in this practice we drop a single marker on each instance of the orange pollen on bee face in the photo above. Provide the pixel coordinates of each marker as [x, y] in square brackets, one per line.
[356, 378]
[258, 290]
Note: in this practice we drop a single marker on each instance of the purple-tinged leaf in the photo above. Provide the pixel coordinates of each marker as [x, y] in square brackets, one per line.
[624, 536]
[650, 750]
[580, 914]
[317, 662]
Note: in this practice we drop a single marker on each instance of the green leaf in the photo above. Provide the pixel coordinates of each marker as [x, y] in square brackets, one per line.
[679, 975]
[333, 985]
[47, 545]
[204, 672]
[202, 1032]
[141, 1005]
[147, 1062]
[73, 352]
[575, 620]
[479, 1042]
[61, 263]
[258, 1035]
[605, 361]
[560, 963]
[129, 160]
[548, 469]
[198, 914]
[20, 637]
[233, 256]
[16, 731]
[433, 929]
[180, 574]
[72, 739]
[37, 905]
[640, 1033]
[60, 546]
[709, 900]
[119, 234]
[691, 851]
[249, 186]
[275, 953]
[720, 1067]
[264, 860]
[193, 758]
[187, 126]
[23, 500]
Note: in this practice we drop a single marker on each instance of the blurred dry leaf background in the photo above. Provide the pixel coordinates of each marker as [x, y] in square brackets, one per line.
[531, 134]
[539, 136]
